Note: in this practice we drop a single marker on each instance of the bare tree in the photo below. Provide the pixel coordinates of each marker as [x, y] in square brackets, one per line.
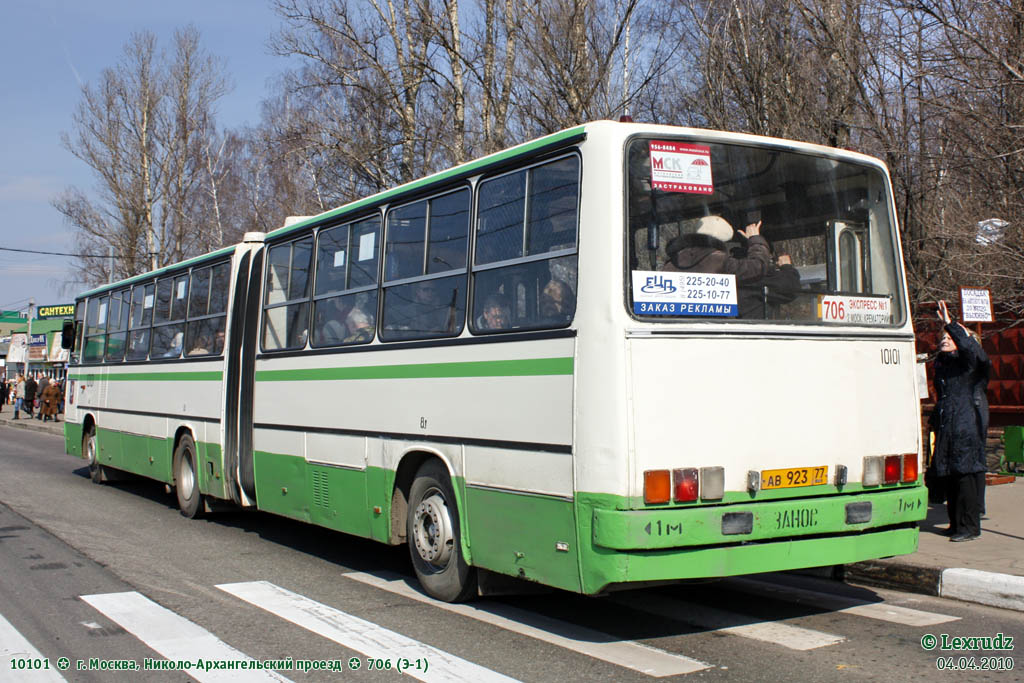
[362, 57]
[572, 67]
[140, 130]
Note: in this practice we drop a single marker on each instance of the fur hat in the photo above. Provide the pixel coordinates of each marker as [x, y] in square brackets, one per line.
[715, 226]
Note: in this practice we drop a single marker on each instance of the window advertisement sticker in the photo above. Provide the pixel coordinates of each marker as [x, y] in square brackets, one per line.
[855, 310]
[181, 290]
[698, 294]
[148, 301]
[366, 245]
[681, 167]
[339, 258]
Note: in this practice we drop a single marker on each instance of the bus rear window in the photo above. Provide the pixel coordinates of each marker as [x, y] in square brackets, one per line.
[720, 231]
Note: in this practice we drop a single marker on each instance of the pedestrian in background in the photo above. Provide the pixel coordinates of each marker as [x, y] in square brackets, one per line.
[960, 423]
[44, 382]
[19, 395]
[29, 396]
[49, 400]
[5, 390]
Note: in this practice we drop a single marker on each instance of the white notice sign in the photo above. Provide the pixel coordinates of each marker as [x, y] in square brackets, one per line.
[976, 305]
[366, 246]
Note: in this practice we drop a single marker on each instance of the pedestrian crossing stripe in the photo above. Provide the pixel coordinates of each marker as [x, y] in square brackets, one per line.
[712, 619]
[14, 646]
[881, 611]
[360, 635]
[174, 637]
[177, 639]
[628, 654]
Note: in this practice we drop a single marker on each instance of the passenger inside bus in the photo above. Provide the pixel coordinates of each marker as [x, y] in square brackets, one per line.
[495, 315]
[330, 328]
[430, 313]
[359, 326]
[556, 302]
[201, 346]
[762, 283]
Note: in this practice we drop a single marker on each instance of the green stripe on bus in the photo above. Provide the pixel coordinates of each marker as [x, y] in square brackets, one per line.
[210, 376]
[491, 368]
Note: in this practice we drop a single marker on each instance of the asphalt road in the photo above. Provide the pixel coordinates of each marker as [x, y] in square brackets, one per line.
[114, 574]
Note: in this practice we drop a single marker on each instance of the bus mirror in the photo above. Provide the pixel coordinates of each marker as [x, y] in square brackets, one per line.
[67, 335]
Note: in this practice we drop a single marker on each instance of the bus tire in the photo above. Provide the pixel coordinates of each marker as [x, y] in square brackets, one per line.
[433, 535]
[97, 472]
[186, 481]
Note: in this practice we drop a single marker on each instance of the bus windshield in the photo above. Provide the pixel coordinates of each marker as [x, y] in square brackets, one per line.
[731, 231]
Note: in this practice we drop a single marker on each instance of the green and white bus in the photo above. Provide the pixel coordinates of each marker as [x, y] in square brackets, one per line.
[508, 367]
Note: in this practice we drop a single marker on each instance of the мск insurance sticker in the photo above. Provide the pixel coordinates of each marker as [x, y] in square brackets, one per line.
[681, 167]
[704, 294]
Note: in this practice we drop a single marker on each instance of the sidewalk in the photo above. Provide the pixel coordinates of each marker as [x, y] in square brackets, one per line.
[989, 570]
[51, 427]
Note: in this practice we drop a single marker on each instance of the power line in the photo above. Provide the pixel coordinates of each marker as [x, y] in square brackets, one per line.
[54, 253]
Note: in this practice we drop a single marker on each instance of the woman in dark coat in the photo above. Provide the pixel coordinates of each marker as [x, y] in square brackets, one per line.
[960, 422]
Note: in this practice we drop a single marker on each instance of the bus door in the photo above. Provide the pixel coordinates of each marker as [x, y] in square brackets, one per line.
[241, 373]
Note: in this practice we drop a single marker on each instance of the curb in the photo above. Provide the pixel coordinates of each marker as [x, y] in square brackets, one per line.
[970, 585]
[31, 425]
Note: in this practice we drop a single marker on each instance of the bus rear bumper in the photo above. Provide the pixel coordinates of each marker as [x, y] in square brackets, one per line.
[628, 546]
[638, 567]
[655, 529]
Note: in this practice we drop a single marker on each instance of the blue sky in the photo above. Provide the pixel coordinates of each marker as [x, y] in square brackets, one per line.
[48, 49]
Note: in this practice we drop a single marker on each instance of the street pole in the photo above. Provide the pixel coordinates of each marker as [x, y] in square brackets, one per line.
[28, 340]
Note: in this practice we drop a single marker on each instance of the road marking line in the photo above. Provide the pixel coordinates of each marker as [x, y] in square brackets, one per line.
[628, 654]
[173, 636]
[837, 603]
[14, 645]
[716, 620]
[358, 634]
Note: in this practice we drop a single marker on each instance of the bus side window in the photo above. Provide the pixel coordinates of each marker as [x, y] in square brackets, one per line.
[140, 319]
[118, 325]
[286, 307]
[425, 259]
[169, 318]
[95, 327]
[526, 259]
[204, 333]
[345, 291]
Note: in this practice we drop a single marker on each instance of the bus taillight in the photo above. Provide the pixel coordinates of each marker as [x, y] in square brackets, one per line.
[893, 467]
[909, 467]
[685, 485]
[657, 486]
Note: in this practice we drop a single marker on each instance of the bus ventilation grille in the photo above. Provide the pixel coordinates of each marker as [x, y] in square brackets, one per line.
[321, 493]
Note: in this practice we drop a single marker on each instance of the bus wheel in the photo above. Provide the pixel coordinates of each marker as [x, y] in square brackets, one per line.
[97, 472]
[433, 536]
[186, 481]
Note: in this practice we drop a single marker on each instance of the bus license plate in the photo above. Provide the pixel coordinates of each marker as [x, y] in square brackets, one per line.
[794, 476]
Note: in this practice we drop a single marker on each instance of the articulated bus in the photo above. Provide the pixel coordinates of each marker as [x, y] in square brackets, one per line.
[516, 368]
